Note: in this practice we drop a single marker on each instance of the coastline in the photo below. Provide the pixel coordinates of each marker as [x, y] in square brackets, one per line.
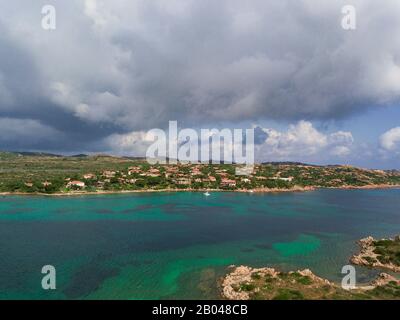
[246, 283]
[260, 190]
[368, 255]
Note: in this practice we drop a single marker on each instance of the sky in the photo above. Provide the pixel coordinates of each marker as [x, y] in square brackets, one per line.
[113, 70]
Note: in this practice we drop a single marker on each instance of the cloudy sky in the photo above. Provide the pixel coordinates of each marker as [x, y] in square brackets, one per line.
[112, 70]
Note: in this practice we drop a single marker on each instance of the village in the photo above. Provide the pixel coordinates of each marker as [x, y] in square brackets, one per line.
[113, 174]
[50, 174]
[180, 176]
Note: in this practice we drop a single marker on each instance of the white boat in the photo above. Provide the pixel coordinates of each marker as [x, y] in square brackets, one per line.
[207, 194]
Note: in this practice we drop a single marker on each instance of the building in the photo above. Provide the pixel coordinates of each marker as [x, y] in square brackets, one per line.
[183, 181]
[228, 183]
[109, 174]
[79, 184]
[134, 170]
[289, 179]
[46, 184]
[196, 171]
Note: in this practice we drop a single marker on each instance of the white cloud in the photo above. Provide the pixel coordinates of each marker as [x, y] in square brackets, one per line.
[300, 142]
[341, 151]
[303, 141]
[128, 144]
[341, 137]
[390, 140]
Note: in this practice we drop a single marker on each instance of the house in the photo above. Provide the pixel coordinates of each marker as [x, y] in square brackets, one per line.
[196, 171]
[46, 184]
[100, 184]
[29, 184]
[133, 170]
[245, 171]
[212, 178]
[289, 179]
[183, 181]
[228, 182]
[89, 176]
[223, 174]
[79, 184]
[148, 174]
[109, 174]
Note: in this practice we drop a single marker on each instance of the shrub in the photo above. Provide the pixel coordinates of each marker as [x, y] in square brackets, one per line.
[288, 294]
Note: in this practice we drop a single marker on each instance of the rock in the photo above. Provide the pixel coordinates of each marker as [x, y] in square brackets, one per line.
[317, 288]
[383, 279]
[240, 275]
[367, 256]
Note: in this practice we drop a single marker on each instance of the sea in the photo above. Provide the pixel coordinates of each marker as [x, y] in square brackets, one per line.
[179, 245]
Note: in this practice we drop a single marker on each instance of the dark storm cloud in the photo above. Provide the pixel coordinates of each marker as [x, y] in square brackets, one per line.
[113, 67]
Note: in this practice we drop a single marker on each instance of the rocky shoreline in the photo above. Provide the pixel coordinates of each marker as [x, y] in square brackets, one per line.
[245, 275]
[369, 256]
[246, 283]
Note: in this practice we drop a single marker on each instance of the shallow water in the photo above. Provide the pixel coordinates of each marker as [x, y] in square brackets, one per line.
[177, 245]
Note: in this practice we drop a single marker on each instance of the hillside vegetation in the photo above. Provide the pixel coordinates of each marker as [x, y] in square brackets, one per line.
[46, 173]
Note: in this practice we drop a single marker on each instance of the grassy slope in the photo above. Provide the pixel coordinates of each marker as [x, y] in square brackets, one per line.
[16, 169]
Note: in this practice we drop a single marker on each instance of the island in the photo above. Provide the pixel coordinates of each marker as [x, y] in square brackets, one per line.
[40, 173]
[246, 283]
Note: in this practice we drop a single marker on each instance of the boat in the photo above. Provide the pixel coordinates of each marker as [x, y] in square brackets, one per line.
[207, 194]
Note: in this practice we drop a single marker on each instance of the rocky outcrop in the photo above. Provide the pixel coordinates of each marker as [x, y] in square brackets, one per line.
[246, 283]
[368, 257]
[239, 276]
[384, 279]
[244, 275]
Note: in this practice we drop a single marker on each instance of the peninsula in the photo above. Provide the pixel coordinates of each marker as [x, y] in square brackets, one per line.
[383, 253]
[246, 283]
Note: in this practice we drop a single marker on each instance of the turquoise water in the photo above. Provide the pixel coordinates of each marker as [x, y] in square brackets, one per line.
[178, 245]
